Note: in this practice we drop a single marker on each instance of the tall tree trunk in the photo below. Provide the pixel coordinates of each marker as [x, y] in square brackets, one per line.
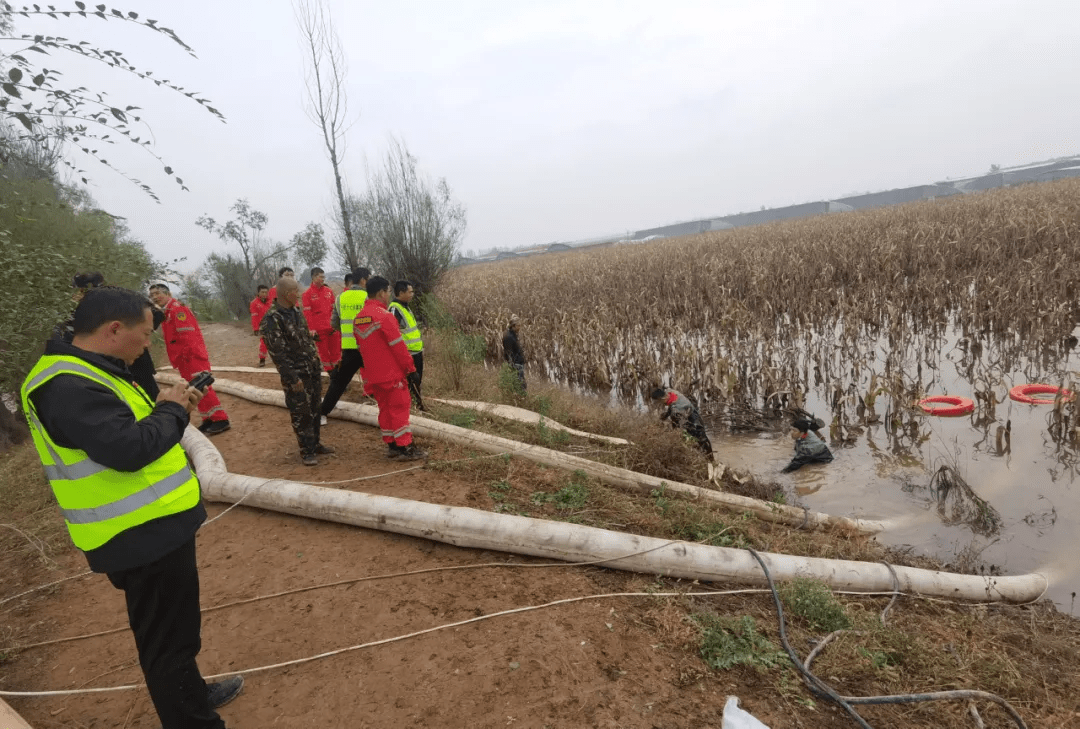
[350, 248]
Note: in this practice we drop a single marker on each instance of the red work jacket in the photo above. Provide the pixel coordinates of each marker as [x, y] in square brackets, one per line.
[386, 357]
[183, 338]
[258, 310]
[318, 306]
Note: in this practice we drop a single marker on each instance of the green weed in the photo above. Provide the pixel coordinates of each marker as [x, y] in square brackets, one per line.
[572, 496]
[813, 601]
[729, 642]
[464, 418]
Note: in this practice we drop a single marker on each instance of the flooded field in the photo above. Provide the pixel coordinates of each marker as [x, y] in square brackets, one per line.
[854, 318]
[1028, 476]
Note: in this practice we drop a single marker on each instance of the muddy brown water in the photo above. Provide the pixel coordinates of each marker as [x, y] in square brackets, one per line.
[1034, 486]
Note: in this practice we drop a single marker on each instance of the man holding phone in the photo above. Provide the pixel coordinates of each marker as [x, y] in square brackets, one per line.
[128, 496]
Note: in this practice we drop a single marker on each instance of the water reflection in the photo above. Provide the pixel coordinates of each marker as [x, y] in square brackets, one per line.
[1021, 459]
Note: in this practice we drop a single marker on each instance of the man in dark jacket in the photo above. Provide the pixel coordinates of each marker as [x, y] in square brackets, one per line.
[129, 499]
[512, 352]
[142, 368]
[291, 346]
[683, 414]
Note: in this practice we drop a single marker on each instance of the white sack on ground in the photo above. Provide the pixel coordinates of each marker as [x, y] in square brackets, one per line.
[424, 427]
[465, 527]
[737, 718]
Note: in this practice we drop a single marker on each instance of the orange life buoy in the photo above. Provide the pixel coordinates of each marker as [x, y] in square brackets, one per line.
[1023, 393]
[955, 405]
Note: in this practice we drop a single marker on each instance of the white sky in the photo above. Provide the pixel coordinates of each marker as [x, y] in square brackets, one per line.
[566, 120]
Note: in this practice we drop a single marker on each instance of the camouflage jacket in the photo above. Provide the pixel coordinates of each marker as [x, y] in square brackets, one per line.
[289, 342]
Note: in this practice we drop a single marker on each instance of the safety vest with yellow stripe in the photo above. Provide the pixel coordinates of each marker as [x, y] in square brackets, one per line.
[350, 302]
[411, 332]
[98, 502]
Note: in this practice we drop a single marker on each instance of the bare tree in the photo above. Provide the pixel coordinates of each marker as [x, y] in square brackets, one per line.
[235, 276]
[414, 223]
[327, 104]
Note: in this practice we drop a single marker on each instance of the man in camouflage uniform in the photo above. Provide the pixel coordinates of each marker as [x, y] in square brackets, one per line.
[289, 342]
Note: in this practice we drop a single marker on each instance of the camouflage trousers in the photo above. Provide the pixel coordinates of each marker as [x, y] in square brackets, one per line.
[303, 395]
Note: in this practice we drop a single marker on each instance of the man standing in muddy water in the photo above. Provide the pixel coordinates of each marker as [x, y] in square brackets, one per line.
[130, 501]
[289, 342]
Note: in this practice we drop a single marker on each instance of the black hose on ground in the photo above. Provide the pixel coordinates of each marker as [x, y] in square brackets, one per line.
[816, 685]
[821, 689]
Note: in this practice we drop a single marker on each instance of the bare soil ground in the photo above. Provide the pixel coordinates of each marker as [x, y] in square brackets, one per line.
[613, 662]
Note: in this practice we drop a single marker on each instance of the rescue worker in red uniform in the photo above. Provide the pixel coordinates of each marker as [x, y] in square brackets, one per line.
[283, 272]
[259, 306]
[187, 352]
[318, 303]
[387, 365]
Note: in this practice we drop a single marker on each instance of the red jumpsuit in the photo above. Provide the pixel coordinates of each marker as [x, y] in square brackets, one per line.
[318, 305]
[386, 362]
[187, 352]
[258, 310]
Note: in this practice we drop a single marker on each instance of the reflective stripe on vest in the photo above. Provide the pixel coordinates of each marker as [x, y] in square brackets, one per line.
[350, 302]
[411, 332]
[98, 502]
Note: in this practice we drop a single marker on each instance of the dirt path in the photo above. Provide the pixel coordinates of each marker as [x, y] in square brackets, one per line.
[606, 663]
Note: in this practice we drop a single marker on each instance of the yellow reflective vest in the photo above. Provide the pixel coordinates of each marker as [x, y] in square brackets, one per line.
[350, 302]
[98, 502]
[411, 331]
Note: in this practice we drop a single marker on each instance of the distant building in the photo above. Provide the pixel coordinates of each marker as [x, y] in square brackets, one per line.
[898, 196]
[790, 212]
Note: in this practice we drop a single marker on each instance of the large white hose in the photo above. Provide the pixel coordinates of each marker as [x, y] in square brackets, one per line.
[368, 415]
[465, 527]
[509, 412]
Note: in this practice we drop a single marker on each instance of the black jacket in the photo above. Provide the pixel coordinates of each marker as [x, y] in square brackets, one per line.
[512, 348]
[79, 413]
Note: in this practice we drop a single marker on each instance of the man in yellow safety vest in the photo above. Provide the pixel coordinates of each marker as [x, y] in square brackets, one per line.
[410, 332]
[127, 494]
[348, 305]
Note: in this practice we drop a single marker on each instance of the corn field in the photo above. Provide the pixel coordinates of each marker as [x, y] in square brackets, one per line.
[853, 306]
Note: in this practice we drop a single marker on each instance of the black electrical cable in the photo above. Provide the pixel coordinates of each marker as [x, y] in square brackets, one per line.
[820, 688]
[816, 684]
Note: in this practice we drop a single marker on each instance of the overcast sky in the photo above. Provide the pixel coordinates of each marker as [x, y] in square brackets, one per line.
[567, 120]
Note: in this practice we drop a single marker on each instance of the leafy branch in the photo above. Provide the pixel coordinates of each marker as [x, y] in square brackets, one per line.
[31, 95]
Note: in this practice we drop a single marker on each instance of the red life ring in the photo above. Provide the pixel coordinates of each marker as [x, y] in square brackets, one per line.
[956, 405]
[1023, 393]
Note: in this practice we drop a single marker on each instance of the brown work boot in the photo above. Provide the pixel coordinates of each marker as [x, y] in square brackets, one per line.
[324, 450]
[309, 459]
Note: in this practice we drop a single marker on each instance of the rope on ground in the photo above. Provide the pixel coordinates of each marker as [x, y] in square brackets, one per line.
[45, 586]
[820, 688]
[400, 470]
[33, 541]
[352, 580]
[386, 641]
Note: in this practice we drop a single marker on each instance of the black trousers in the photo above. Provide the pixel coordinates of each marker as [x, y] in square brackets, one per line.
[163, 611]
[414, 387]
[340, 377]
